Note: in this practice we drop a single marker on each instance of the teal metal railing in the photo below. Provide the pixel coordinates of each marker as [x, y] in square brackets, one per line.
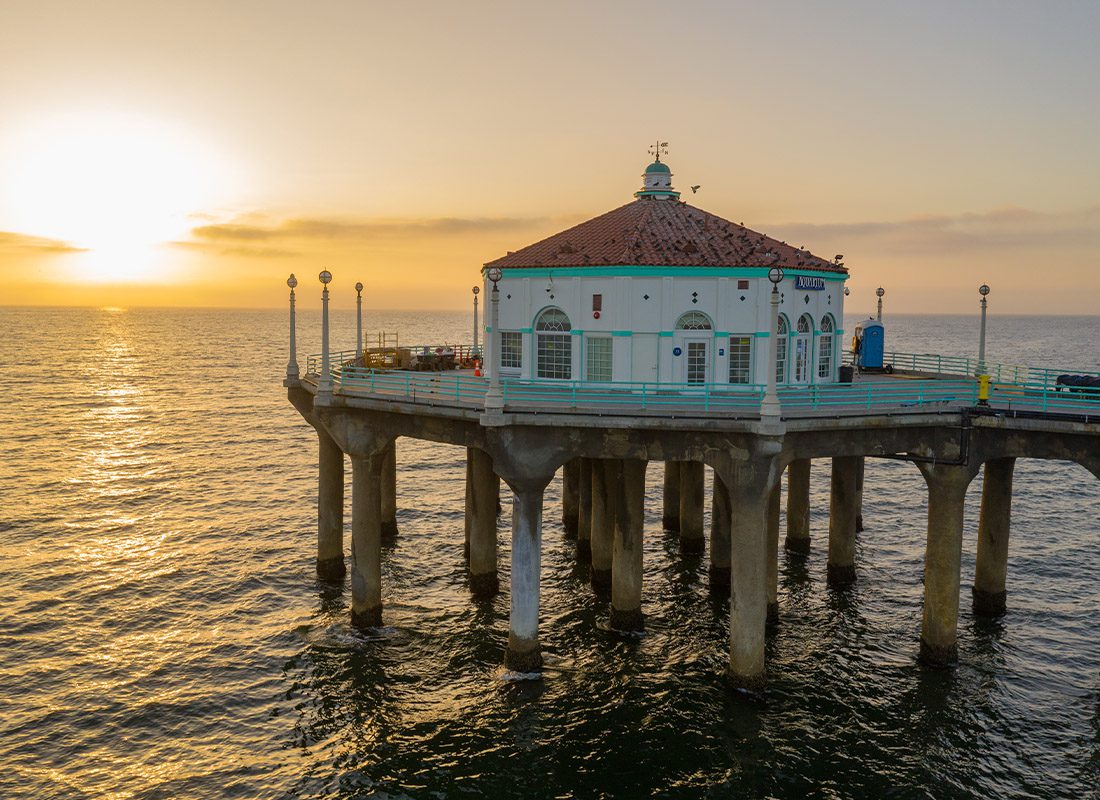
[961, 365]
[462, 390]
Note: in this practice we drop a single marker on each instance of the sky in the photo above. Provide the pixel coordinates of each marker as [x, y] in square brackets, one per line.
[196, 153]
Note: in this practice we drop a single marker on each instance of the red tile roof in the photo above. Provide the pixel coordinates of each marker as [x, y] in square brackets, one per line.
[663, 233]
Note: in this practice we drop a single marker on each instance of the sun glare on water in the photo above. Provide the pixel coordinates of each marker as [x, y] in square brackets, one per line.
[117, 186]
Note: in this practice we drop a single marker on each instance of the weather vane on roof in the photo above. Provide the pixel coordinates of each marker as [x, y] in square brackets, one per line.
[659, 148]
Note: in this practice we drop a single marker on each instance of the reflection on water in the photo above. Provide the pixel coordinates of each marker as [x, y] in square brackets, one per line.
[166, 636]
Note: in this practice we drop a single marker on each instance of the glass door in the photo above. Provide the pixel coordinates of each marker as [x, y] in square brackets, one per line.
[696, 362]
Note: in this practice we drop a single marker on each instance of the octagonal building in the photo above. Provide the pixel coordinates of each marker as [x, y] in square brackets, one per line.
[659, 291]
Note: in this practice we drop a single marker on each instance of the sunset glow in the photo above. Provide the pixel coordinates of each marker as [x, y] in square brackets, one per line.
[159, 154]
[116, 186]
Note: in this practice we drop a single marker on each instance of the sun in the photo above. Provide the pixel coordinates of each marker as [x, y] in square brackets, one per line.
[118, 185]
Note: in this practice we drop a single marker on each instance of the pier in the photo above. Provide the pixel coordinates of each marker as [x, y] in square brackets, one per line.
[604, 438]
[658, 334]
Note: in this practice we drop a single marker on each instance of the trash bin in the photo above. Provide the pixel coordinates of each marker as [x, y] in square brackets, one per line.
[846, 373]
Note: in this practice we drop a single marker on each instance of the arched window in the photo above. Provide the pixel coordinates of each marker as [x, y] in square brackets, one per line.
[554, 345]
[693, 321]
[781, 331]
[825, 347]
[803, 345]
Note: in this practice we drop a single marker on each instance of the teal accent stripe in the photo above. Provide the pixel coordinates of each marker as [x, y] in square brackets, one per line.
[721, 334]
[642, 270]
[526, 330]
[576, 332]
[665, 333]
[761, 334]
[622, 333]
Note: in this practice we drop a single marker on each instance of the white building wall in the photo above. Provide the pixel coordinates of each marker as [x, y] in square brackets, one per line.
[625, 311]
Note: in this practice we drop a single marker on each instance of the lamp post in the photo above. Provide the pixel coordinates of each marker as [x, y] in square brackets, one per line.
[324, 384]
[292, 364]
[494, 398]
[769, 406]
[359, 321]
[880, 292]
[476, 290]
[983, 290]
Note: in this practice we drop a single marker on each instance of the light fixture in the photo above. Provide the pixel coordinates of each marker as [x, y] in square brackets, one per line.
[983, 290]
[292, 281]
[325, 277]
[880, 291]
[775, 275]
[359, 287]
[847, 291]
[495, 275]
[477, 290]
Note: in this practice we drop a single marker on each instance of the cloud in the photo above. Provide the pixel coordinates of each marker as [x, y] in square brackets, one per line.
[1001, 230]
[307, 228]
[248, 251]
[20, 242]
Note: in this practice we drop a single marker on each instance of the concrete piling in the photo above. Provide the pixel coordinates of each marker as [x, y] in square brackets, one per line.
[330, 509]
[366, 541]
[859, 493]
[691, 507]
[584, 510]
[389, 491]
[720, 513]
[749, 496]
[469, 503]
[943, 555]
[604, 475]
[570, 501]
[773, 554]
[841, 567]
[524, 653]
[670, 517]
[798, 507]
[628, 490]
[483, 494]
[991, 567]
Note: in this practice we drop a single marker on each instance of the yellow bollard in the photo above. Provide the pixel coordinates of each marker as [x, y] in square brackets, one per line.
[983, 390]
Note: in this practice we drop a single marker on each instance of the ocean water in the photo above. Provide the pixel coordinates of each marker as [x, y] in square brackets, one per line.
[164, 635]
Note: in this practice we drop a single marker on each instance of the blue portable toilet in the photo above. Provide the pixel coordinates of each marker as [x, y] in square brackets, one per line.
[868, 344]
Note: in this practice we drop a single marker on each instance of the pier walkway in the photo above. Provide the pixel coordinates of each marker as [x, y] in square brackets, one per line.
[919, 383]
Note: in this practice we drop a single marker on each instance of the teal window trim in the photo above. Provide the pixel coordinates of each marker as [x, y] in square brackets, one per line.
[721, 334]
[665, 333]
[762, 334]
[576, 332]
[526, 330]
[622, 333]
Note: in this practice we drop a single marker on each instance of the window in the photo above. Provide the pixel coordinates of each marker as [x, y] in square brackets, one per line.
[554, 345]
[511, 350]
[742, 285]
[740, 359]
[693, 321]
[802, 345]
[825, 348]
[598, 358]
[781, 350]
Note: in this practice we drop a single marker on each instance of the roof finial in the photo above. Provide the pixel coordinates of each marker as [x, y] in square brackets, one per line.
[658, 148]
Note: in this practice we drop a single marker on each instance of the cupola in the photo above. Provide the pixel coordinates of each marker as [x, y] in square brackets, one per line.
[657, 182]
